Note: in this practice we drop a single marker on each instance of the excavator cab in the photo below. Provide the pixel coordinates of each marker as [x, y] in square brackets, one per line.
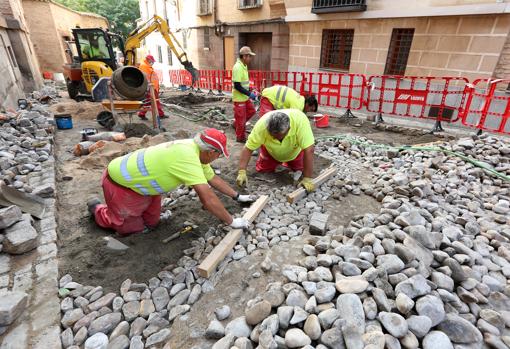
[95, 58]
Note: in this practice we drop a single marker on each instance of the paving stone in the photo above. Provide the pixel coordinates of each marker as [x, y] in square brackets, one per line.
[9, 216]
[318, 223]
[120, 342]
[20, 237]
[105, 323]
[18, 336]
[158, 338]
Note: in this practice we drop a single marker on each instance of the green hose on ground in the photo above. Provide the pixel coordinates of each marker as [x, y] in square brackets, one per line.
[484, 166]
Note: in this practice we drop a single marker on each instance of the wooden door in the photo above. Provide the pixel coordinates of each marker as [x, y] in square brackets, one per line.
[229, 56]
[260, 43]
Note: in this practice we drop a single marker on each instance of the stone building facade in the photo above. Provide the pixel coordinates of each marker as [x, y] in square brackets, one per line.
[418, 38]
[18, 65]
[212, 31]
[50, 27]
[466, 38]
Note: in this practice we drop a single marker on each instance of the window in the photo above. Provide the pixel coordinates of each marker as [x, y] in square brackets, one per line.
[243, 4]
[160, 55]
[336, 48]
[169, 54]
[328, 6]
[204, 7]
[93, 45]
[207, 43]
[398, 53]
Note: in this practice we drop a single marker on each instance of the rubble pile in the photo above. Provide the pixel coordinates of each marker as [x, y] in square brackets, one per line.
[25, 142]
[429, 270]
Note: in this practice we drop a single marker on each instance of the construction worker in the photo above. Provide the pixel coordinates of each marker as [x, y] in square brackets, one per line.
[133, 183]
[284, 137]
[91, 49]
[152, 77]
[241, 94]
[283, 97]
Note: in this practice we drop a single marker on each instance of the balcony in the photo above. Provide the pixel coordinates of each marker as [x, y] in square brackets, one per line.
[331, 6]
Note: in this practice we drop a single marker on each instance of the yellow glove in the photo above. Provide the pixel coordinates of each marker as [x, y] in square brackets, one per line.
[242, 179]
[307, 183]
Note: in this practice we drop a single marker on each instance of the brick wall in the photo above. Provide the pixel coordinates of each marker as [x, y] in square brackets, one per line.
[442, 46]
[43, 34]
[48, 23]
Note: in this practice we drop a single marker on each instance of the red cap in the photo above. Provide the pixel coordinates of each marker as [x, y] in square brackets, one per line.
[150, 58]
[215, 138]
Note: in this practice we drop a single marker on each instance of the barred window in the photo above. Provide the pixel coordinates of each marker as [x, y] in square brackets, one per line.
[336, 48]
[398, 52]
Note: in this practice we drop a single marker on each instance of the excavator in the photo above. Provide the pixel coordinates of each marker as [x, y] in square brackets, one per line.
[95, 54]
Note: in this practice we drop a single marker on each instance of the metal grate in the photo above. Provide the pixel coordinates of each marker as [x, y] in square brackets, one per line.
[325, 6]
[249, 3]
[398, 52]
[336, 48]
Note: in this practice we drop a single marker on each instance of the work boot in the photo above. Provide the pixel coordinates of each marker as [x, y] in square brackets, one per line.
[92, 204]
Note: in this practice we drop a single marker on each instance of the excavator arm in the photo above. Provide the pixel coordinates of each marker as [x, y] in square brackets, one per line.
[155, 24]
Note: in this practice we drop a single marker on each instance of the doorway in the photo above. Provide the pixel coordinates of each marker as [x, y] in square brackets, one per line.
[229, 55]
[261, 44]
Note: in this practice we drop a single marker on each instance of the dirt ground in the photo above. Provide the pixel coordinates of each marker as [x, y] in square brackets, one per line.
[83, 251]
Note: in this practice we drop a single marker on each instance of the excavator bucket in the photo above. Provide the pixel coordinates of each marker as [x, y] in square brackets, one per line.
[195, 75]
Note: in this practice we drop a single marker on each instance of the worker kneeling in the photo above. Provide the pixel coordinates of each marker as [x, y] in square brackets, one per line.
[133, 184]
[284, 137]
[283, 97]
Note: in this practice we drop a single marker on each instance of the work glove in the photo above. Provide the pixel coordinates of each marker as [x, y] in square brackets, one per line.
[307, 183]
[242, 179]
[245, 198]
[240, 223]
[253, 95]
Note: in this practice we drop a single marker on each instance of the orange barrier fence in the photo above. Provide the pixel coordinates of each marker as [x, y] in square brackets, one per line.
[483, 105]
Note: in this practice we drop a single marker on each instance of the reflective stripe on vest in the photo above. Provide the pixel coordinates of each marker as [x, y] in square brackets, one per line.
[140, 164]
[123, 168]
[280, 103]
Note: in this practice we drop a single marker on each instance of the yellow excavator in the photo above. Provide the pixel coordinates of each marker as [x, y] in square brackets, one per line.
[95, 54]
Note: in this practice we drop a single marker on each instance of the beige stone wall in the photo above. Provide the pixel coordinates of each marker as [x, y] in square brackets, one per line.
[44, 36]
[66, 19]
[466, 46]
[48, 24]
[399, 4]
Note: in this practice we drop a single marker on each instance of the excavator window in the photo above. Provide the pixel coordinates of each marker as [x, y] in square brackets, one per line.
[93, 46]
